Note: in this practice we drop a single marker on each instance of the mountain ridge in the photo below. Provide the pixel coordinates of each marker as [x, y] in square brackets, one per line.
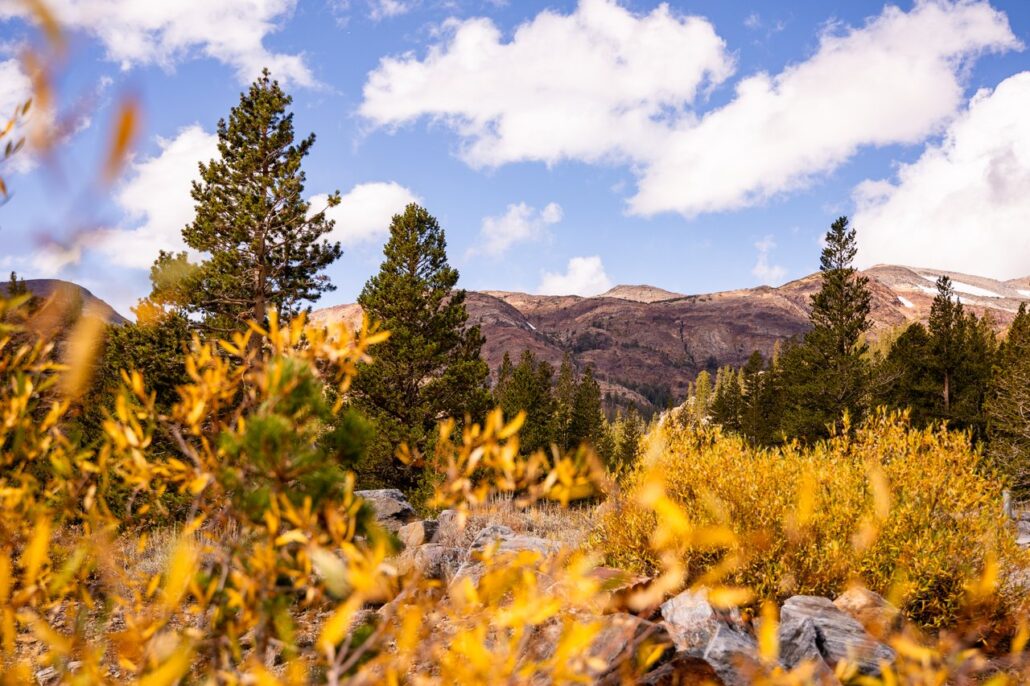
[646, 343]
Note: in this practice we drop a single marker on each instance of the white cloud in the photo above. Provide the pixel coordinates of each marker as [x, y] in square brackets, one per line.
[157, 204]
[364, 213]
[884, 83]
[605, 85]
[384, 9]
[769, 274]
[583, 276]
[520, 223]
[157, 197]
[963, 205]
[587, 85]
[15, 89]
[163, 32]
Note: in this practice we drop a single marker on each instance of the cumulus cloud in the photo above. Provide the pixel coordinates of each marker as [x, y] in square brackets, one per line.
[768, 273]
[162, 33]
[156, 198]
[880, 84]
[364, 213]
[963, 205]
[562, 86]
[583, 276]
[587, 85]
[520, 223]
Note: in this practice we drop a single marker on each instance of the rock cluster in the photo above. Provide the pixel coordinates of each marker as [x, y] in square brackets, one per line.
[698, 642]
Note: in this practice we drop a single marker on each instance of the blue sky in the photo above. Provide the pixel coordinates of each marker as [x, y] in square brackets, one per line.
[564, 146]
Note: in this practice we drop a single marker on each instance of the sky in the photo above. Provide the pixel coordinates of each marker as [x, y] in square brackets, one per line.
[564, 146]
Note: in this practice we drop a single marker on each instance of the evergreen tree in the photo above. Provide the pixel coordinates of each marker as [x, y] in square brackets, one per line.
[827, 376]
[526, 387]
[946, 334]
[627, 431]
[430, 368]
[697, 408]
[728, 399]
[564, 403]
[155, 346]
[904, 379]
[959, 359]
[1008, 406]
[587, 423]
[265, 247]
[16, 286]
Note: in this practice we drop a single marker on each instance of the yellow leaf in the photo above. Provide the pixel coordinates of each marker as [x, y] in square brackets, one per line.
[36, 551]
[199, 483]
[124, 135]
[336, 626]
[332, 570]
[292, 536]
[729, 596]
[6, 580]
[83, 346]
[180, 573]
[768, 633]
[171, 670]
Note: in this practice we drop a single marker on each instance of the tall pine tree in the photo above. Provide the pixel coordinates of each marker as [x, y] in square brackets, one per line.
[265, 247]
[430, 368]
[827, 376]
[946, 333]
[1008, 406]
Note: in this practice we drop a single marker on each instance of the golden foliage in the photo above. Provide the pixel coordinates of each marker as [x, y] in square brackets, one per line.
[907, 513]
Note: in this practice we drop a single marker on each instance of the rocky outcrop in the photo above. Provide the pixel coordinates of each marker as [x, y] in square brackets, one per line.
[871, 609]
[414, 534]
[799, 643]
[692, 621]
[392, 509]
[838, 636]
[733, 655]
[434, 561]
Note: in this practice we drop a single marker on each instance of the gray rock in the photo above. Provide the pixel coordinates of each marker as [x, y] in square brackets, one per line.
[871, 609]
[734, 656]
[1023, 532]
[449, 529]
[622, 638]
[392, 509]
[490, 534]
[799, 642]
[416, 533]
[434, 561]
[681, 670]
[506, 545]
[838, 635]
[692, 621]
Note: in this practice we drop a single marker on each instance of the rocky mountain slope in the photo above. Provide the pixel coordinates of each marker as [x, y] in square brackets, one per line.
[646, 344]
[68, 300]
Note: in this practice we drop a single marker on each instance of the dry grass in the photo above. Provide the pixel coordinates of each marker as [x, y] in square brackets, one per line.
[569, 526]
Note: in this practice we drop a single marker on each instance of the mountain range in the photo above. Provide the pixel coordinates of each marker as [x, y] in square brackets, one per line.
[645, 344]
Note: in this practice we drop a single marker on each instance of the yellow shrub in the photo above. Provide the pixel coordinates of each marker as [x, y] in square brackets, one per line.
[906, 512]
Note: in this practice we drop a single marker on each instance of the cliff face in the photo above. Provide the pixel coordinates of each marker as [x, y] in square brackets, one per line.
[646, 344]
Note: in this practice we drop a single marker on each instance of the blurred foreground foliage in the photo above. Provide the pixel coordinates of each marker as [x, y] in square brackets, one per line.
[275, 545]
